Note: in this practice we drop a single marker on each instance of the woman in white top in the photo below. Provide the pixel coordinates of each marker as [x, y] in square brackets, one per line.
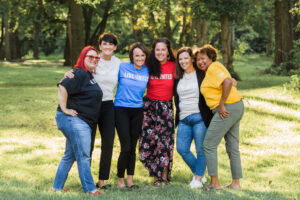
[192, 114]
[106, 75]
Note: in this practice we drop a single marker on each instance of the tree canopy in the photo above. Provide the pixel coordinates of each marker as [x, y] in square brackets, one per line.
[65, 26]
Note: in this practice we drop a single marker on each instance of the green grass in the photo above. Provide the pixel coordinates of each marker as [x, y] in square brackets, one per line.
[31, 146]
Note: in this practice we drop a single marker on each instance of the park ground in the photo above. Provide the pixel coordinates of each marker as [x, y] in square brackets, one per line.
[31, 146]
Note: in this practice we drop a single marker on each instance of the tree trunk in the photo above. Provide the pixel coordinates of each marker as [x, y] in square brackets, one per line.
[205, 27]
[101, 26]
[198, 27]
[2, 38]
[88, 15]
[167, 30]
[36, 39]
[67, 55]
[270, 37]
[201, 26]
[154, 25]
[7, 36]
[183, 30]
[283, 31]
[75, 31]
[226, 43]
[188, 35]
[15, 45]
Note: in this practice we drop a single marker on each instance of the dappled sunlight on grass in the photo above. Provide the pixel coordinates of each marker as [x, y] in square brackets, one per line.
[275, 109]
[31, 146]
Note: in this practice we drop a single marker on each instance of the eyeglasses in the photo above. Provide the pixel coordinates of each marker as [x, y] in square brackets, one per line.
[91, 58]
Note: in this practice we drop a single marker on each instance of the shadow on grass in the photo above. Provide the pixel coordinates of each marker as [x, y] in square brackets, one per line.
[26, 149]
[280, 116]
[23, 190]
[259, 82]
[274, 101]
[23, 84]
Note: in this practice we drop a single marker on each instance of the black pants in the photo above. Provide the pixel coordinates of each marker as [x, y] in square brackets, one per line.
[129, 126]
[106, 124]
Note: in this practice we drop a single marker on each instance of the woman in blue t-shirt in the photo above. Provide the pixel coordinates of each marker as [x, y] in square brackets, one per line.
[133, 79]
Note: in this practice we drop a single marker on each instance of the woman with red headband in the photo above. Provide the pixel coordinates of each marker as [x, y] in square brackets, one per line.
[79, 104]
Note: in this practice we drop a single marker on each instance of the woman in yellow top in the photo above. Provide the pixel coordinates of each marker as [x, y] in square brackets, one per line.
[225, 102]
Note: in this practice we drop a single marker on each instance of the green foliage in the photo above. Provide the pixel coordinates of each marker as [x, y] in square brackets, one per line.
[296, 11]
[199, 11]
[245, 40]
[294, 84]
[235, 8]
[290, 67]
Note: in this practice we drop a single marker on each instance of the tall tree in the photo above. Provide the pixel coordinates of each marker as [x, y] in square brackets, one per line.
[75, 30]
[270, 35]
[167, 29]
[228, 12]
[201, 20]
[102, 24]
[2, 38]
[283, 31]
[7, 36]
[88, 12]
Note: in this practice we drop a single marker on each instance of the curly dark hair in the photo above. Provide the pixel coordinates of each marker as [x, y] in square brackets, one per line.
[209, 50]
[179, 71]
[154, 64]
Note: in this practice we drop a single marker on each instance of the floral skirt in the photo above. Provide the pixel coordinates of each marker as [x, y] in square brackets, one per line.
[156, 142]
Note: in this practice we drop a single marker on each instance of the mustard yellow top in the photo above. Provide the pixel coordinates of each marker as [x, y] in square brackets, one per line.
[211, 86]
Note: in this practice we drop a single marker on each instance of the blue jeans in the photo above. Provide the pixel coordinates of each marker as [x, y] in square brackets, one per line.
[78, 144]
[192, 127]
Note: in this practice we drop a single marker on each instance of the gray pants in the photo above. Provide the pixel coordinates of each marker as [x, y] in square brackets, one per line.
[229, 129]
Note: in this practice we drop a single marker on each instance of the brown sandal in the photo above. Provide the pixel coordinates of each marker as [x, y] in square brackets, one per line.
[164, 182]
[157, 183]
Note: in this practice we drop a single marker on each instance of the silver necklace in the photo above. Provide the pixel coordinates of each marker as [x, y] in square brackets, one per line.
[188, 76]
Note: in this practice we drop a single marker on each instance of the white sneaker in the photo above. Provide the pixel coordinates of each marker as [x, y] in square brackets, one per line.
[203, 180]
[192, 182]
[196, 184]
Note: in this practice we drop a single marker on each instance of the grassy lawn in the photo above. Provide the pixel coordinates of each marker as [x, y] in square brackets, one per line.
[31, 146]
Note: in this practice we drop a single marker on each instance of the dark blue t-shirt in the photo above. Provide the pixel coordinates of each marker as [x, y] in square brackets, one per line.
[132, 85]
[84, 95]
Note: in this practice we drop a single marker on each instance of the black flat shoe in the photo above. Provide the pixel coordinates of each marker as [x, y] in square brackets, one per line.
[104, 187]
[133, 187]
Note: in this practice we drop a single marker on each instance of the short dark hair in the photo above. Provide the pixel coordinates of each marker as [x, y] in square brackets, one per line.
[209, 50]
[179, 71]
[108, 37]
[154, 64]
[141, 47]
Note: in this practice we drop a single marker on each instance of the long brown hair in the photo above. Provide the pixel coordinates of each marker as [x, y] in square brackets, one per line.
[179, 71]
[154, 64]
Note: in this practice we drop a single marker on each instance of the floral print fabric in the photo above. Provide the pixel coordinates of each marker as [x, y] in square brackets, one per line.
[156, 142]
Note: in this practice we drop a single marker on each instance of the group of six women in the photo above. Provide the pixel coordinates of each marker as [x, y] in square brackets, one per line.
[208, 108]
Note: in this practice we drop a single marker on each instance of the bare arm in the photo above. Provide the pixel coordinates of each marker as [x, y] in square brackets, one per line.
[226, 87]
[234, 82]
[62, 100]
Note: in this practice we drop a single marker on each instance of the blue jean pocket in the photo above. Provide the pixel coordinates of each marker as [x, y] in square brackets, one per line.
[59, 118]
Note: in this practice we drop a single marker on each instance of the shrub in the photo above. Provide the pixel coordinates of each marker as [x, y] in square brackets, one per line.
[291, 66]
[294, 83]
